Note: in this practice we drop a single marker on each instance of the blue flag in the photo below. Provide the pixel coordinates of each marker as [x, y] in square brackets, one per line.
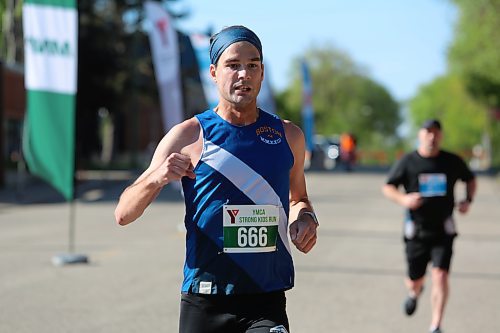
[307, 108]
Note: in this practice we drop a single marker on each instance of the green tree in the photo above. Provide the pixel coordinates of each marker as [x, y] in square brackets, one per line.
[463, 118]
[345, 99]
[11, 45]
[475, 55]
[115, 72]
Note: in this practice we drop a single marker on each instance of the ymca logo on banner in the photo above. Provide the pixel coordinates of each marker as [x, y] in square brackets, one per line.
[162, 26]
[166, 62]
[163, 40]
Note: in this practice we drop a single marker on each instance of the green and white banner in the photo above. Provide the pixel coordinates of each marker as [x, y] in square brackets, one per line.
[51, 50]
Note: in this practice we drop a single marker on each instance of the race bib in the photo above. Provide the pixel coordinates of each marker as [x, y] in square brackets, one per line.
[432, 184]
[250, 228]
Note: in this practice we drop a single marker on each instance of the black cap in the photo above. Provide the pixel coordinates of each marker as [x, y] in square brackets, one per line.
[431, 123]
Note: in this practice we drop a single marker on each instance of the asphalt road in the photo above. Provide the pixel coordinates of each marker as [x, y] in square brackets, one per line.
[351, 282]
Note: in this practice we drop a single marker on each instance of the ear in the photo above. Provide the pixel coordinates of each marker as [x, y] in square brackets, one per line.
[212, 72]
[262, 75]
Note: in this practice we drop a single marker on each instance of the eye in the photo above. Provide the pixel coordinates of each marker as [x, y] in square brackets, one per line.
[234, 66]
[253, 66]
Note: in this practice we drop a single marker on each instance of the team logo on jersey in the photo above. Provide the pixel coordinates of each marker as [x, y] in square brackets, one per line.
[269, 135]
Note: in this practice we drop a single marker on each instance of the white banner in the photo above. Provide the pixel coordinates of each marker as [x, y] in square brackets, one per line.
[50, 37]
[166, 61]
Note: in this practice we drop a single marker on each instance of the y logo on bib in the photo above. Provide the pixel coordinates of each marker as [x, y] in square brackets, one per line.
[232, 214]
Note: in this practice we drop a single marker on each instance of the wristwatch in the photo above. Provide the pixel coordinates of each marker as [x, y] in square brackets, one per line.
[311, 214]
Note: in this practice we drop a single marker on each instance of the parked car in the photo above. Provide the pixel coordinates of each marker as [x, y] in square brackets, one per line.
[326, 153]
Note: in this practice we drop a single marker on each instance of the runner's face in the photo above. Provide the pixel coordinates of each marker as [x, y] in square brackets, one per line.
[238, 74]
[430, 139]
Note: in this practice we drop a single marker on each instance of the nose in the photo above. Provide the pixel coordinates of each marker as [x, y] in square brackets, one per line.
[244, 73]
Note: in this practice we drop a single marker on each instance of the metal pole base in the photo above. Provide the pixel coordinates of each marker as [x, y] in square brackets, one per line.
[69, 259]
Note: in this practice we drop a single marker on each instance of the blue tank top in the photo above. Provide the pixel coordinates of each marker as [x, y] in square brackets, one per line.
[237, 209]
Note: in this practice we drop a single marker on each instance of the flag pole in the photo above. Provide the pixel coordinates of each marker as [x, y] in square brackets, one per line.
[71, 257]
[71, 236]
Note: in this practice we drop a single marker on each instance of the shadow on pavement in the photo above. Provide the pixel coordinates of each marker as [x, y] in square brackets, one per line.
[106, 186]
[101, 187]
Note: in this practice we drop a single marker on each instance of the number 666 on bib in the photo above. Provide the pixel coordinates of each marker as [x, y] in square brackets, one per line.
[250, 228]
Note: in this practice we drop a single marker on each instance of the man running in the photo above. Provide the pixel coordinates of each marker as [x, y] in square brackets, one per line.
[243, 181]
[428, 176]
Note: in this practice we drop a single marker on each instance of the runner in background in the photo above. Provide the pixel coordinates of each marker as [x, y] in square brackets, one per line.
[428, 176]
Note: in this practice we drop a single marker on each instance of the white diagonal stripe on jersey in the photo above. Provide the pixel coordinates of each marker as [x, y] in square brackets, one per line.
[252, 184]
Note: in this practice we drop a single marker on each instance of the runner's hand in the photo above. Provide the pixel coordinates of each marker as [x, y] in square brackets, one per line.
[173, 168]
[412, 200]
[303, 233]
[463, 206]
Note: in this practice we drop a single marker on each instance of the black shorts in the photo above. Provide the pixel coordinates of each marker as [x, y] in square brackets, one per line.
[419, 252]
[257, 313]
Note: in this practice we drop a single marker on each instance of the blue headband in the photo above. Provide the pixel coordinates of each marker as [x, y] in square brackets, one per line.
[231, 35]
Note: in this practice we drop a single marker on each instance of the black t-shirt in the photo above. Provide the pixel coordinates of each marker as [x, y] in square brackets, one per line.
[435, 179]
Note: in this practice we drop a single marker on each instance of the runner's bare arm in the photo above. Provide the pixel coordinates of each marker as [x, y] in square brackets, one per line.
[409, 200]
[302, 226]
[470, 192]
[172, 160]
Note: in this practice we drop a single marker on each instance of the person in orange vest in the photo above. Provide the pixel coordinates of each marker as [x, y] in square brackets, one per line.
[348, 150]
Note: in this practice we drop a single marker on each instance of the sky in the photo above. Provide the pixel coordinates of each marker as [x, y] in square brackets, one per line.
[402, 43]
